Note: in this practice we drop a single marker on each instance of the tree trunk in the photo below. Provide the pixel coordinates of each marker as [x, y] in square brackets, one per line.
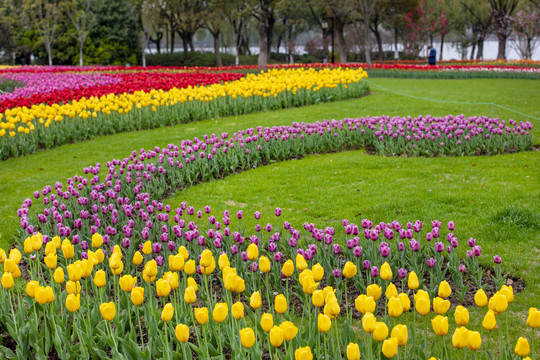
[279, 39]
[263, 43]
[81, 53]
[191, 44]
[480, 50]
[172, 39]
[217, 49]
[473, 50]
[441, 50]
[186, 48]
[340, 40]
[144, 41]
[49, 54]
[367, 47]
[396, 52]
[501, 54]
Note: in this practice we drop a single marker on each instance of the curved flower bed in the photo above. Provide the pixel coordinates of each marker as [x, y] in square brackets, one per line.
[44, 126]
[59, 88]
[103, 247]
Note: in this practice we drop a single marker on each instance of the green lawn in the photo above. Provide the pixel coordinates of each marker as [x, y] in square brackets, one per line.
[494, 199]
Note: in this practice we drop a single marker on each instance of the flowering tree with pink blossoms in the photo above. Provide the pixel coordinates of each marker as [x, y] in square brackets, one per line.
[527, 30]
[424, 24]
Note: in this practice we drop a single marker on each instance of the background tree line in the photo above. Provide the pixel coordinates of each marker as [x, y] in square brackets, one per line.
[120, 31]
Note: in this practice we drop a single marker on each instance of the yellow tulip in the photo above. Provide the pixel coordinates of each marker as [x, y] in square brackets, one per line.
[508, 291]
[73, 302]
[147, 247]
[237, 310]
[97, 240]
[201, 315]
[323, 323]
[181, 331]
[475, 340]
[533, 320]
[59, 276]
[137, 295]
[522, 347]
[317, 298]
[189, 295]
[73, 287]
[401, 333]
[2, 256]
[206, 258]
[318, 272]
[167, 313]
[10, 266]
[252, 251]
[289, 330]
[386, 271]
[280, 304]
[462, 316]
[247, 337]
[440, 325]
[115, 261]
[332, 308]
[7, 280]
[480, 298]
[412, 282]
[395, 308]
[100, 278]
[444, 289]
[391, 291]
[381, 331]
[349, 270]
[288, 268]
[264, 264]
[353, 351]
[255, 300]
[440, 306]
[176, 262]
[498, 303]
[369, 322]
[108, 310]
[405, 301]
[390, 347]
[374, 291]
[301, 263]
[192, 284]
[185, 253]
[50, 248]
[422, 306]
[15, 255]
[460, 339]
[67, 249]
[56, 241]
[163, 288]
[267, 321]
[276, 336]
[31, 287]
[190, 267]
[220, 313]
[74, 272]
[127, 282]
[137, 258]
[303, 353]
[223, 261]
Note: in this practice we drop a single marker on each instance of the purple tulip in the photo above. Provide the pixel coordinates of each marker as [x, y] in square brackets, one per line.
[336, 248]
[336, 273]
[470, 254]
[471, 242]
[159, 260]
[257, 215]
[454, 242]
[415, 246]
[126, 242]
[240, 214]
[292, 242]
[366, 264]
[171, 245]
[84, 245]
[278, 256]
[234, 249]
[156, 248]
[401, 246]
[402, 273]
[431, 262]
[357, 251]
[374, 271]
[462, 268]
[278, 212]
[385, 251]
[477, 250]
[497, 259]
[439, 247]
[451, 226]
[254, 266]
[272, 247]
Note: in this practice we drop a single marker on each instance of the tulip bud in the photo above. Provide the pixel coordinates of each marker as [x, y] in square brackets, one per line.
[405, 301]
[401, 333]
[31, 287]
[349, 270]
[108, 311]
[533, 320]
[182, 333]
[480, 298]
[353, 351]
[100, 278]
[440, 325]
[395, 308]
[73, 302]
[167, 313]
[288, 268]
[137, 295]
[237, 310]
[522, 347]
[386, 271]
[267, 321]
[391, 291]
[318, 272]
[289, 330]
[303, 353]
[460, 339]
[323, 323]
[475, 340]
[381, 331]
[7, 280]
[390, 347]
[461, 315]
[221, 310]
[374, 291]
[508, 291]
[317, 298]
[276, 336]
[247, 337]
[163, 288]
[137, 258]
[127, 282]
[264, 264]
[413, 283]
[255, 300]
[440, 306]
[368, 323]
[489, 322]
[280, 304]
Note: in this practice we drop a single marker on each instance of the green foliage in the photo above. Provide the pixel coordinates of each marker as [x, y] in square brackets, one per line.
[8, 85]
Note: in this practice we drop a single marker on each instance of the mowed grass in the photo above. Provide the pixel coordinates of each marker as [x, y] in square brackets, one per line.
[493, 199]
[19, 177]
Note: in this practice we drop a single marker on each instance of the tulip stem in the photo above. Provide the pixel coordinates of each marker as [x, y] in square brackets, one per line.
[220, 345]
[140, 327]
[12, 312]
[347, 300]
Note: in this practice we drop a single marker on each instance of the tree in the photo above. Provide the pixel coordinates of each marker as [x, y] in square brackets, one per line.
[502, 19]
[527, 29]
[7, 39]
[481, 18]
[291, 16]
[186, 17]
[238, 13]
[263, 11]
[367, 10]
[149, 13]
[45, 14]
[397, 12]
[213, 22]
[424, 24]
[82, 15]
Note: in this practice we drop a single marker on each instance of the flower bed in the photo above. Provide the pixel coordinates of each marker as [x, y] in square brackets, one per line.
[25, 130]
[112, 251]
